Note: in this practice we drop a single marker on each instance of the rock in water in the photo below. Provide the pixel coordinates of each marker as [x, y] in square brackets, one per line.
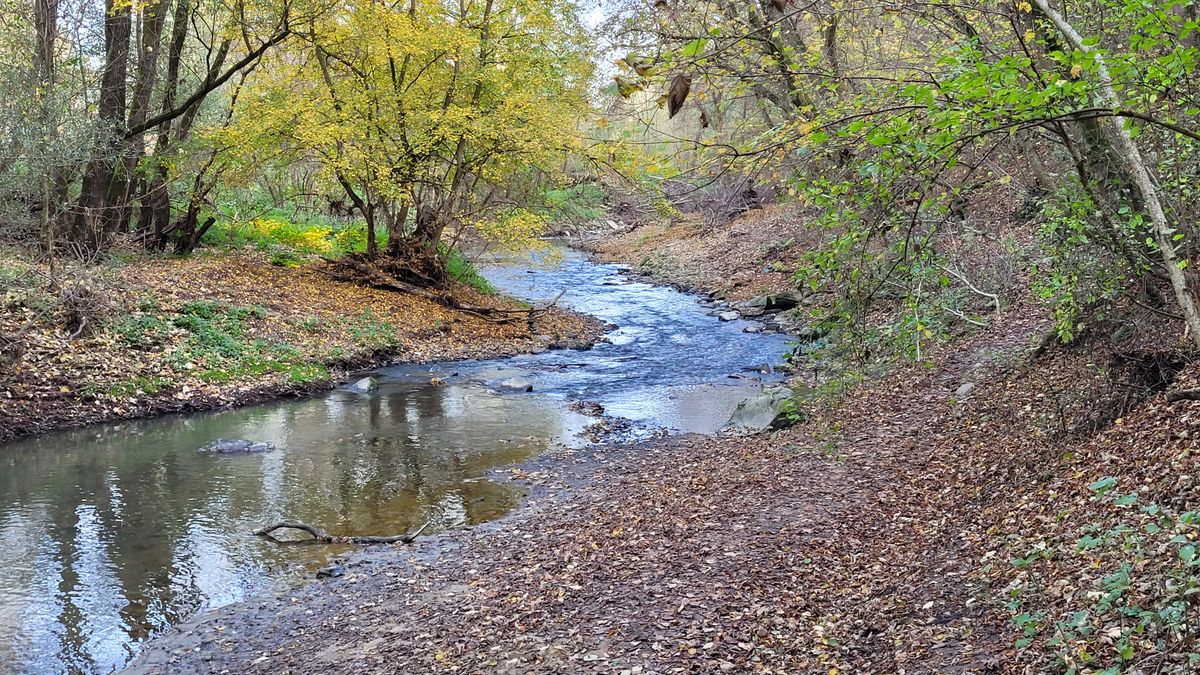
[236, 446]
[763, 410]
[515, 384]
[729, 316]
[331, 571]
[365, 385]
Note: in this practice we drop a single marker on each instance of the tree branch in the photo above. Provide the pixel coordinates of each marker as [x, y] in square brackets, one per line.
[208, 86]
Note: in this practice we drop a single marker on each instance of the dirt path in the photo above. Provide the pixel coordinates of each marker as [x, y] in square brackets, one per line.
[843, 545]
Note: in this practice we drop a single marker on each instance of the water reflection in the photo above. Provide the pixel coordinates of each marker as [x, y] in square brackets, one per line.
[112, 533]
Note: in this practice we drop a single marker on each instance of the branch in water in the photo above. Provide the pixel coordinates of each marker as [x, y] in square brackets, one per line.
[320, 536]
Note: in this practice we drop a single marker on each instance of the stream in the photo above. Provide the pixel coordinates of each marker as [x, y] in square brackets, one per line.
[112, 533]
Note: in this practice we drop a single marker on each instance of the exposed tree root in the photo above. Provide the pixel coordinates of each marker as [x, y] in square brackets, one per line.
[394, 276]
[320, 536]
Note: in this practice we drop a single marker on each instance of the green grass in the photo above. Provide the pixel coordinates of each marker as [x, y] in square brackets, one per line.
[307, 373]
[370, 331]
[464, 271]
[287, 239]
[290, 243]
[216, 345]
[138, 385]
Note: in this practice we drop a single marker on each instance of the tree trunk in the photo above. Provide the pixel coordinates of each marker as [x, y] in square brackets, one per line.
[95, 219]
[1127, 147]
[396, 231]
[45, 20]
[153, 18]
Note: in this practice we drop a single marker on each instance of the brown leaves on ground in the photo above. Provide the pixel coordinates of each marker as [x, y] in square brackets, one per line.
[324, 326]
[826, 548]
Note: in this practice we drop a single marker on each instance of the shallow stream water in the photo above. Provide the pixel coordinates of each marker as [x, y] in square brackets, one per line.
[112, 533]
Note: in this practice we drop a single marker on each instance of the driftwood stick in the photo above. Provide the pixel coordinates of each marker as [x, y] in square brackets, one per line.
[320, 536]
[316, 532]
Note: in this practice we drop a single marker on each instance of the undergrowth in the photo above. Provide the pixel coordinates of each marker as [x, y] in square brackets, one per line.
[578, 203]
[291, 242]
[212, 340]
[1138, 600]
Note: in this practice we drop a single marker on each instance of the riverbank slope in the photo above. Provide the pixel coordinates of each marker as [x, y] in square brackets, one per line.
[753, 255]
[152, 335]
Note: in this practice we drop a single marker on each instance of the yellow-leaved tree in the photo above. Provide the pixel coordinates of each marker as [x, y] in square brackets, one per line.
[429, 115]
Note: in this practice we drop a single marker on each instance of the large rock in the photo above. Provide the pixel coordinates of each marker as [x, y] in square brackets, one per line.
[779, 302]
[236, 446]
[798, 323]
[515, 384]
[365, 385]
[764, 410]
[729, 316]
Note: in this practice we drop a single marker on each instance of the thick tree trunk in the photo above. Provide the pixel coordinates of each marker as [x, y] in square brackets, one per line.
[95, 218]
[1127, 147]
[397, 230]
[153, 18]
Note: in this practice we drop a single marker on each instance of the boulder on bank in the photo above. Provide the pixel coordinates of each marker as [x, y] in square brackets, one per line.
[798, 323]
[765, 410]
[235, 446]
[729, 316]
[779, 302]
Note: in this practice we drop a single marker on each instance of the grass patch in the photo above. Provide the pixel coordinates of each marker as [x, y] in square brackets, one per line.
[464, 271]
[215, 343]
[371, 331]
[288, 240]
[307, 373]
[290, 243]
[142, 330]
[139, 385]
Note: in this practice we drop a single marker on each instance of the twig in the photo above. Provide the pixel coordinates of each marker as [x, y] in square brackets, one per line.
[994, 298]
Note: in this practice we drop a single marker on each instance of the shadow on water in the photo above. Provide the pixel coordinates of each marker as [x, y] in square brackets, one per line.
[112, 533]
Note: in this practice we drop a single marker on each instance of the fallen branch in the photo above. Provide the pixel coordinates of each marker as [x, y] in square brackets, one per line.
[974, 289]
[320, 536]
[1184, 395]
